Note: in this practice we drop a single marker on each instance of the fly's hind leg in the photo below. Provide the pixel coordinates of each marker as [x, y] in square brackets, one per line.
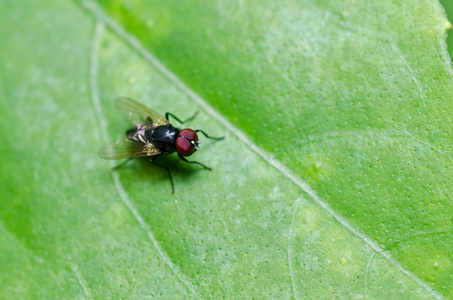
[177, 119]
[121, 164]
[152, 160]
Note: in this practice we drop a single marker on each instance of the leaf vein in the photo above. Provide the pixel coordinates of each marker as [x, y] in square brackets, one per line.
[81, 280]
[296, 205]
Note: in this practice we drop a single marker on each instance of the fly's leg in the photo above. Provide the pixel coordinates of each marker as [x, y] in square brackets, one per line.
[121, 164]
[165, 168]
[194, 162]
[209, 137]
[177, 119]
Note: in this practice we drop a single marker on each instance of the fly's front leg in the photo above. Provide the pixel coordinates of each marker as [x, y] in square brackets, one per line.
[209, 137]
[194, 162]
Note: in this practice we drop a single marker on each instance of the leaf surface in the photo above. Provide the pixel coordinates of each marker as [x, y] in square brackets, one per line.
[333, 180]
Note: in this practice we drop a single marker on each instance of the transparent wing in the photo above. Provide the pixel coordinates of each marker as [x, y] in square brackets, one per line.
[127, 148]
[138, 114]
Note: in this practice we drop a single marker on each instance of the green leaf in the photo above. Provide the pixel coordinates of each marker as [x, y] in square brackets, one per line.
[333, 180]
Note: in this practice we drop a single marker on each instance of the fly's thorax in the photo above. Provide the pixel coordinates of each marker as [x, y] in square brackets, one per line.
[163, 137]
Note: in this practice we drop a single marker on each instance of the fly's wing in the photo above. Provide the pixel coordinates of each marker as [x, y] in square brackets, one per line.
[127, 148]
[138, 114]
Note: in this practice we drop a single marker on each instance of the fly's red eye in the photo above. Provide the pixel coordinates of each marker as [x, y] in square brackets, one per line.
[189, 134]
[184, 147]
[186, 143]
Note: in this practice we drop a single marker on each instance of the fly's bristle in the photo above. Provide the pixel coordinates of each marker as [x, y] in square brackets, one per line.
[195, 144]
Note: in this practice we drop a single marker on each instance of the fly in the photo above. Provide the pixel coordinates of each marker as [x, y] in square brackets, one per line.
[152, 135]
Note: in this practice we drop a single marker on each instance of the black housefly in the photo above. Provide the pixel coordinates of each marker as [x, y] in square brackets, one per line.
[152, 135]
